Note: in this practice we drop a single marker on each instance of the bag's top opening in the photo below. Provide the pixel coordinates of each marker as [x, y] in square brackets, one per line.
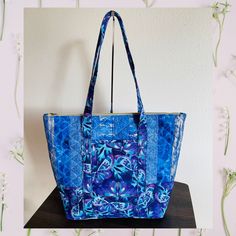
[111, 114]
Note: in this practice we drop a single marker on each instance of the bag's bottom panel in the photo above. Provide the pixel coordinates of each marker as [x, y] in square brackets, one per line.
[150, 204]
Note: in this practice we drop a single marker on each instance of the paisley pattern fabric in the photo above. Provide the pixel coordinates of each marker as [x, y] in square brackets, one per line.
[114, 166]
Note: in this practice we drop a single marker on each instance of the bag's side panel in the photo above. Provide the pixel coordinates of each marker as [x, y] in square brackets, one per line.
[164, 184]
[64, 145]
[64, 142]
[178, 135]
[170, 131]
[166, 131]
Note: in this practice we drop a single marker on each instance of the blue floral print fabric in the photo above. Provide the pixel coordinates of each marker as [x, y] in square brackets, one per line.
[114, 166]
[114, 185]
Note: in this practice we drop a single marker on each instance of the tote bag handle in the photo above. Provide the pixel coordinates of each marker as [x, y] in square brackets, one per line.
[90, 96]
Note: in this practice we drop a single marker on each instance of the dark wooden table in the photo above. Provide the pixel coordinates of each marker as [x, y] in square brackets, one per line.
[179, 214]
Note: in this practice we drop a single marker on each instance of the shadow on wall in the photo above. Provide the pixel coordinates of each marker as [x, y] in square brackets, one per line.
[37, 160]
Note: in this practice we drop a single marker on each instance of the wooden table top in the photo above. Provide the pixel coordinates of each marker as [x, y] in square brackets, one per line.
[179, 214]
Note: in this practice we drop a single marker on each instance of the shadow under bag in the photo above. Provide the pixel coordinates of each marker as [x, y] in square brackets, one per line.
[114, 165]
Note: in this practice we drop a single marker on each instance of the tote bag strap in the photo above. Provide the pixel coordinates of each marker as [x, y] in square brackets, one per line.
[89, 101]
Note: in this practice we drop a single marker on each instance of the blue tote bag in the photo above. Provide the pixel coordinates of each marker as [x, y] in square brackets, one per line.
[114, 165]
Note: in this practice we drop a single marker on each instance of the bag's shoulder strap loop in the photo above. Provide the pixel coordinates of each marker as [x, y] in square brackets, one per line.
[89, 101]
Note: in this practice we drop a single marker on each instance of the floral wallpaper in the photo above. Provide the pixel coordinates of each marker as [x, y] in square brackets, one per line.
[11, 119]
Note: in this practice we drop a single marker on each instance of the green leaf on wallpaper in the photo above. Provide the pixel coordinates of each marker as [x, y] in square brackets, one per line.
[147, 4]
[28, 232]
[230, 183]
[53, 232]
[97, 232]
[220, 9]
[77, 232]
[153, 232]
[3, 14]
[225, 127]
[179, 232]
[200, 232]
[2, 198]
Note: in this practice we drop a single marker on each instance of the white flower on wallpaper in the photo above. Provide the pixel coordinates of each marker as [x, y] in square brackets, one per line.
[230, 73]
[17, 150]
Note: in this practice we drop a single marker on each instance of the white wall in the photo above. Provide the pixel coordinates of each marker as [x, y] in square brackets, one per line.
[172, 54]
